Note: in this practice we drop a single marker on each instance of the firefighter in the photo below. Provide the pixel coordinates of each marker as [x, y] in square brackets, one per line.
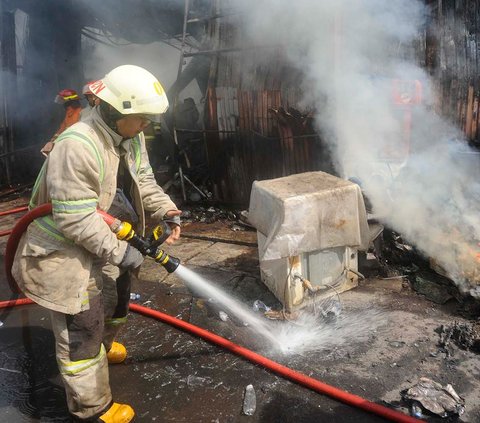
[92, 100]
[70, 262]
[71, 103]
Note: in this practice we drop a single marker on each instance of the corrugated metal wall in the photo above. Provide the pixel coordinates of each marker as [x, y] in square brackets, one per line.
[453, 57]
[251, 91]
[253, 104]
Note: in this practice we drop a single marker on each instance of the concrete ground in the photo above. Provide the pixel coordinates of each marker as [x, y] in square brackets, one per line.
[171, 376]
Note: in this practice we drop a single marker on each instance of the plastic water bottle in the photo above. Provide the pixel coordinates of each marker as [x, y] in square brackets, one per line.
[249, 401]
[223, 316]
[416, 410]
[134, 296]
[260, 306]
[336, 308]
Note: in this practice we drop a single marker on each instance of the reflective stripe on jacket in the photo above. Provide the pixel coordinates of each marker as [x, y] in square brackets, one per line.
[54, 259]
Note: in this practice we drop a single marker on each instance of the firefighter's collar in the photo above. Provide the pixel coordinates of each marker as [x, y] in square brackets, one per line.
[116, 138]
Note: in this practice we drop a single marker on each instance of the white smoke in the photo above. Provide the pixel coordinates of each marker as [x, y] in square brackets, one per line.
[350, 52]
[159, 58]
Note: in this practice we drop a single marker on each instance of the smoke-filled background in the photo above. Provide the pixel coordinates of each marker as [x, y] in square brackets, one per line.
[58, 45]
[158, 57]
[351, 53]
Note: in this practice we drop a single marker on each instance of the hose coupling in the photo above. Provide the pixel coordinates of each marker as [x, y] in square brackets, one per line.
[307, 285]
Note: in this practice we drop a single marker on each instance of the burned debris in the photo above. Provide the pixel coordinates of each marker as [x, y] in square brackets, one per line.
[428, 396]
[464, 335]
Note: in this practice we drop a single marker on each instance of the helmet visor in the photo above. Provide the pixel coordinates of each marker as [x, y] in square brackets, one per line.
[147, 117]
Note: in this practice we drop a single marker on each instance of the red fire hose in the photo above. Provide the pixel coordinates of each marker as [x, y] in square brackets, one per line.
[8, 212]
[275, 367]
[20, 227]
[287, 373]
[13, 211]
[17, 232]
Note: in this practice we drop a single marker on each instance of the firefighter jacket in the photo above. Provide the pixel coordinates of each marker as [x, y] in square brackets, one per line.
[54, 259]
[85, 113]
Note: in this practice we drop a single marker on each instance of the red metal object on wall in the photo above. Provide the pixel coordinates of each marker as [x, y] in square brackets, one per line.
[406, 94]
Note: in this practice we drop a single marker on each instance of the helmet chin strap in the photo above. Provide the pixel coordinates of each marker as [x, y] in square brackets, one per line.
[110, 116]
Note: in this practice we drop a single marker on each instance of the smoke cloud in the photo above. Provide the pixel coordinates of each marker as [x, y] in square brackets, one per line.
[159, 58]
[353, 55]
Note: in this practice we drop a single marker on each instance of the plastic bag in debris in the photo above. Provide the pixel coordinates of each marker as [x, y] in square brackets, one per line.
[438, 399]
[223, 316]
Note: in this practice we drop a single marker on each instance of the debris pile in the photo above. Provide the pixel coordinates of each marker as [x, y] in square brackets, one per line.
[435, 287]
[464, 335]
[434, 398]
[399, 258]
[399, 254]
[239, 218]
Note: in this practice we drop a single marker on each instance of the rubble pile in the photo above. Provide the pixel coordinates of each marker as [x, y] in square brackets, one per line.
[397, 257]
[464, 335]
[238, 218]
[429, 396]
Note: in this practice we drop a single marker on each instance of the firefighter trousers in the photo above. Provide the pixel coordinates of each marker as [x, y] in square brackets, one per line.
[83, 339]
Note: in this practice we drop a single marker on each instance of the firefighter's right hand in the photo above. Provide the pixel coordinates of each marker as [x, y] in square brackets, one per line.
[132, 259]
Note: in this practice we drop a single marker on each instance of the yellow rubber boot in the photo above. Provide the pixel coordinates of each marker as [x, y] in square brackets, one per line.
[117, 353]
[118, 413]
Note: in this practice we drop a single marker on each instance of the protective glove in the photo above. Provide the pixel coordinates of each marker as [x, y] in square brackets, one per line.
[132, 259]
[172, 217]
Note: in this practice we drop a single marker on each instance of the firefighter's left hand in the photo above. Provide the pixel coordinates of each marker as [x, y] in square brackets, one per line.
[175, 235]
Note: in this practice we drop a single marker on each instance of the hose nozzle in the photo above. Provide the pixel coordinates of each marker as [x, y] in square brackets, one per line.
[148, 247]
[170, 263]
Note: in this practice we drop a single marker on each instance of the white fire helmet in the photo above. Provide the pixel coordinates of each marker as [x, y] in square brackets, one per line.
[131, 89]
[86, 88]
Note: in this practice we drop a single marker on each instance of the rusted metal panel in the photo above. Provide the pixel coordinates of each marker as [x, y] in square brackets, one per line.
[475, 118]
[469, 113]
[261, 146]
[246, 87]
[453, 57]
[227, 110]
